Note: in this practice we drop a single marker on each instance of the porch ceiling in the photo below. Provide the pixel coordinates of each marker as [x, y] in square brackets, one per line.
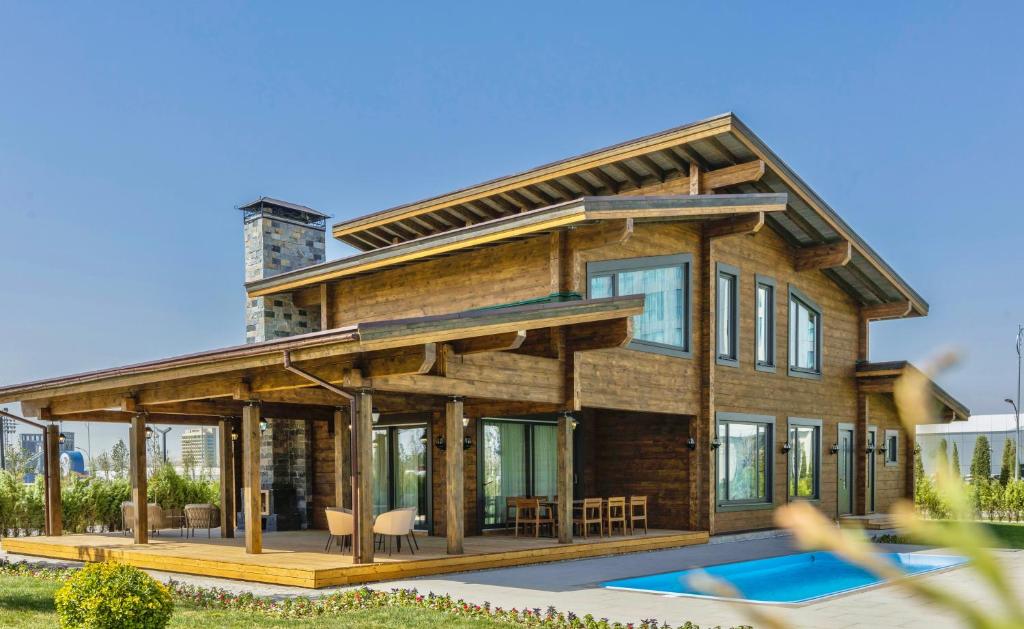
[465, 354]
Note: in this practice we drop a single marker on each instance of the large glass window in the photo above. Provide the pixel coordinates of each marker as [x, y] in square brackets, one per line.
[804, 460]
[664, 281]
[400, 471]
[764, 323]
[804, 335]
[892, 447]
[727, 309]
[744, 459]
[518, 458]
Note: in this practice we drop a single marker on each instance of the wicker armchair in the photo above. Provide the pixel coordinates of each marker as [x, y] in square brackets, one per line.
[201, 516]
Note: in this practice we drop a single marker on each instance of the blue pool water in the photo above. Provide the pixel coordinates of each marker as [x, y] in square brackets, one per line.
[788, 579]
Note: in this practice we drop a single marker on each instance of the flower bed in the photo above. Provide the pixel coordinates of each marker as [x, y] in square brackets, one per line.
[339, 603]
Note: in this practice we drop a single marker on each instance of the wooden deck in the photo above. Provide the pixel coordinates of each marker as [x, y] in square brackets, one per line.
[297, 558]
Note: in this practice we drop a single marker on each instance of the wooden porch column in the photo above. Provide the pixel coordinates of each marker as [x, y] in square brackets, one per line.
[456, 500]
[362, 471]
[137, 458]
[227, 480]
[251, 478]
[565, 467]
[342, 455]
[52, 474]
[860, 456]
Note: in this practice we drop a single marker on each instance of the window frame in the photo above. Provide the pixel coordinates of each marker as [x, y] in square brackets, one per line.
[768, 502]
[606, 268]
[803, 422]
[893, 452]
[772, 345]
[795, 294]
[729, 360]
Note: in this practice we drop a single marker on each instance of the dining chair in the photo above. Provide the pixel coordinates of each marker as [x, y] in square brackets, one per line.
[394, 524]
[616, 513]
[529, 514]
[201, 516]
[637, 512]
[127, 516]
[586, 514]
[510, 511]
[340, 526]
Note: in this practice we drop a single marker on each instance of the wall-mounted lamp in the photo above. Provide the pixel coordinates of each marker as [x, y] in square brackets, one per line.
[465, 422]
[234, 435]
[870, 450]
[440, 443]
[834, 449]
[691, 443]
[263, 425]
[467, 443]
[61, 438]
[375, 414]
[423, 439]
[786, 447]
[572, 420]
[881, 449]
[149, 432]
[716, 443]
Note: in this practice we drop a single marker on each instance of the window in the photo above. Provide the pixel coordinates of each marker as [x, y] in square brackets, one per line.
[518, 458]
[804, 336]
[804, 458]
[892, 447]
[764, 323]
[744, 459]
[727, 309]
[664, 281]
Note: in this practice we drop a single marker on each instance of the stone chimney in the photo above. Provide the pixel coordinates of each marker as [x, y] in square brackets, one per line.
[282, 237]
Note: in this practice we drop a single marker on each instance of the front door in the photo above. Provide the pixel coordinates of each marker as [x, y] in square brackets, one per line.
[845, 471]
[872, 441]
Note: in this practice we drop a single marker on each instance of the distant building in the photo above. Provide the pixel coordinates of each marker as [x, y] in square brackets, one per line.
[996, 428]
[201, 444]
[32, 445]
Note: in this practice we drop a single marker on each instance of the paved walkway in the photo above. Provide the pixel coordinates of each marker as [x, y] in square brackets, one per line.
[572, 586]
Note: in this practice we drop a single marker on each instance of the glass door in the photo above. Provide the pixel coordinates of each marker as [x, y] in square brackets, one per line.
[872, 436]
[400, 471]
[518, 458]
[845, 471]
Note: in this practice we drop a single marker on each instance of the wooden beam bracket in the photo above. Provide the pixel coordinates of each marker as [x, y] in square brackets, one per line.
[823, 257]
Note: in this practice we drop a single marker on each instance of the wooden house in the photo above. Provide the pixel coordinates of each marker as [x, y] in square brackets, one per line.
[678, 316]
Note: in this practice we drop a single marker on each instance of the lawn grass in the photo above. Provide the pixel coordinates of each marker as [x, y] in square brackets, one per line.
[27, 602]
[1011, 534]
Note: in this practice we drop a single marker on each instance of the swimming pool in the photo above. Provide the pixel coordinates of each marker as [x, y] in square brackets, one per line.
[788, 579]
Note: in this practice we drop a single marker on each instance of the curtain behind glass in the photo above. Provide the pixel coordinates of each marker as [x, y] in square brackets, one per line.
[504, 467]
[380, 471]
[662, 319]
[761, 323]
[410, 472]
[726, 343]
[545, 460]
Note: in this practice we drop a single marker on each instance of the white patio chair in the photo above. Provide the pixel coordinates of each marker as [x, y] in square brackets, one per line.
[339, 526]
[394, 524]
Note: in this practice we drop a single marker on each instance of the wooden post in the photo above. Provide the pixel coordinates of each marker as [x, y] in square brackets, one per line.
[362, 470]
[227, 480]
[860, 456]
[251, 478]
[137, 459]
[456, 508]
[565, 454]
[53, 511]
[342, 455]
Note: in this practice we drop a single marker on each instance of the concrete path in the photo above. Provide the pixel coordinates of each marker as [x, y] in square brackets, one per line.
[572, 586]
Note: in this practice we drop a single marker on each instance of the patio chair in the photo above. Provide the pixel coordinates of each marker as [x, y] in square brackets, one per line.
[412, 524]
[394, 524]
[616, 514]
[529, 514]
[127, 516]
[201, 516]
[155, 518]
[586, 514]
[510, 511]
[637, 512]
[340, 526]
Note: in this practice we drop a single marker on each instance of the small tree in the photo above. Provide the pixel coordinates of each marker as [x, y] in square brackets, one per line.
[1009, 459]
[103, 464]
[119, 458]
[188, 465]
[955, 463]
[942, 456]
[918, 463]
[981, 461]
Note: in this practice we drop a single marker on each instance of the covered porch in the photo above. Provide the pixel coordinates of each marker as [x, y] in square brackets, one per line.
[438, 382]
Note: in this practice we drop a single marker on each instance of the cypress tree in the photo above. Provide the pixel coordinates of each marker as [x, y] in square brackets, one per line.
[942, 456]
[955, 463]
[981, 461]
[1009, 457]
[918, 463]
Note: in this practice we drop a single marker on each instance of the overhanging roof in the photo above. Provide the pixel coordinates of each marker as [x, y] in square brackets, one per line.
[329, 344]
[716, 143]
[881, 378]
[530, 223]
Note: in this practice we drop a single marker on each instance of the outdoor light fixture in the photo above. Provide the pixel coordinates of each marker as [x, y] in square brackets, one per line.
[149, 432]
[263, 425]
[786, 447]
[834, 449]
[440, 443]
[61, 438]
[691, 443]
[375, 414]
[465, 422]
[423, 439]
[870, 450]
[716, 443]
[467, 443]
[572, 420]
[881, 449]
[234, 435]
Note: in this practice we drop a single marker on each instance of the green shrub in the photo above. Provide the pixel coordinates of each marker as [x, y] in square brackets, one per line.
[171, 490]
[111, 595]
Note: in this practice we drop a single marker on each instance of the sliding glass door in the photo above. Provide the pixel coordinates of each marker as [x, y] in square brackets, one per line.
[400, 471]
[517, 458]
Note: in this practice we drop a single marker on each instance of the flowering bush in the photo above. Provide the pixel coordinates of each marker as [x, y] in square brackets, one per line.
[112, 595]
[339, 603]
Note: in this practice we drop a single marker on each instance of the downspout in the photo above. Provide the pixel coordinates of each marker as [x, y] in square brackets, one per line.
[353, 442]
[46, 467]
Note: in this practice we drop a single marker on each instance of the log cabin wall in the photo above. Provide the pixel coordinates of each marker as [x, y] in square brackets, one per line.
[891, 481]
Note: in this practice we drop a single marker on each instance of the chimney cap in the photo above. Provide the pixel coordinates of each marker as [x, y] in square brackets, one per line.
[284, 209]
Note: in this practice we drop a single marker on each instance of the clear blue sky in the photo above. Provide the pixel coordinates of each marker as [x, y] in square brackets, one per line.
[128, 134]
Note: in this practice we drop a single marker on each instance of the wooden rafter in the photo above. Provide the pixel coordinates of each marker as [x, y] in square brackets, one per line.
[656, 171]
[747, 224]
[823, 257]
[894, 310]
[630, 174]
[610, 182]
[585, 186]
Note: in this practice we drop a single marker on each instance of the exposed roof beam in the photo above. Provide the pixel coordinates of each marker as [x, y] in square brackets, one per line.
[563, 190]
[681, 164]
[745, 225]
[612, 184]
[723, 149]
[630, 174]
[869, 283]
[587, 187]
[822, 257]
[694, 157]
[894, 310]
[653, 166]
